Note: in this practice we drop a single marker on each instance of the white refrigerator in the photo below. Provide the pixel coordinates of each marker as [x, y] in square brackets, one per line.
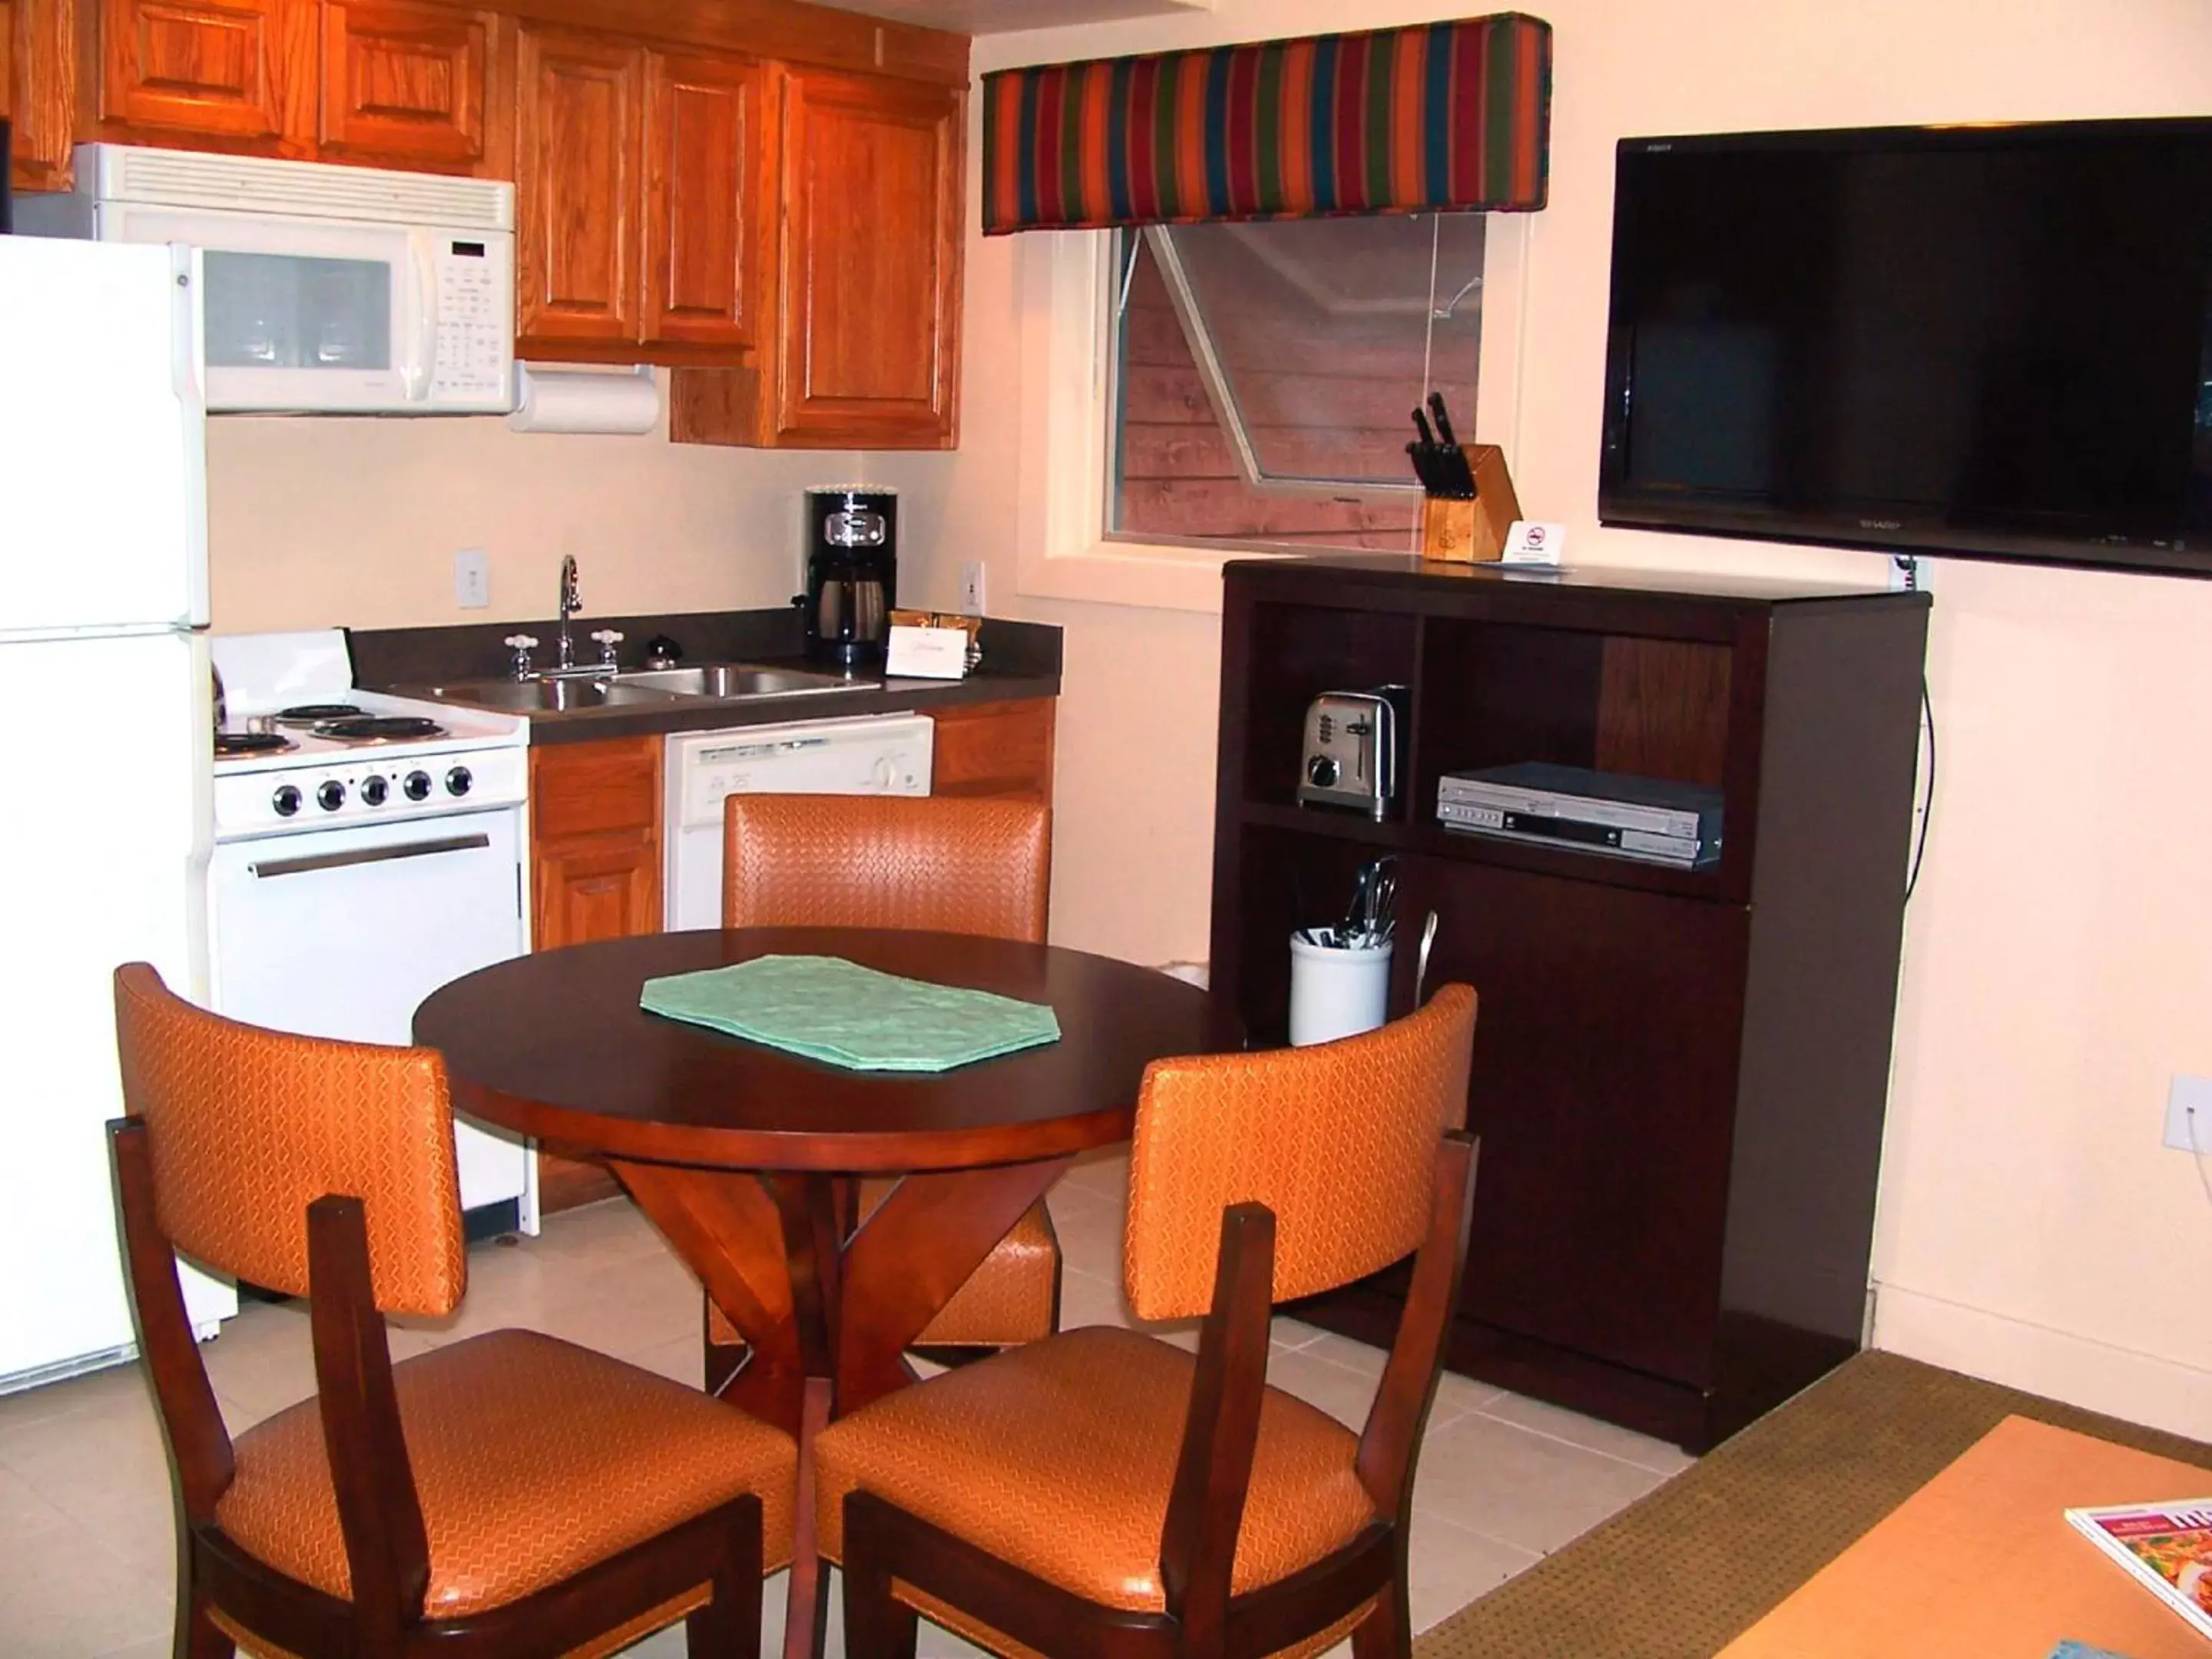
[105, 753]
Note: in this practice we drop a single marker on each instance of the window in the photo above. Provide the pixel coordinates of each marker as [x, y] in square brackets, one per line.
[1265, 376]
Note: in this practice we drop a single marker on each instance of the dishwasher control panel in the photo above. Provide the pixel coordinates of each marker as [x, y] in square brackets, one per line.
[887, 756]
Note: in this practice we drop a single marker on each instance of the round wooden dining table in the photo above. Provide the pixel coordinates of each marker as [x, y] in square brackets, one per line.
[742, 1156]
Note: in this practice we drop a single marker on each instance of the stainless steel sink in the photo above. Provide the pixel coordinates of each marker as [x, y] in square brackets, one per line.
[739, 679]
[548, 696]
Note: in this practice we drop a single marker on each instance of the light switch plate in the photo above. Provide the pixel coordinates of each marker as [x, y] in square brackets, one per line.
[472, 579]
[971, 588]
[2187, 1093]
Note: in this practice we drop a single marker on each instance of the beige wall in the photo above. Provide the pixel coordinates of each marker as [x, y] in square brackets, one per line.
[315, 523]
[2057, 965]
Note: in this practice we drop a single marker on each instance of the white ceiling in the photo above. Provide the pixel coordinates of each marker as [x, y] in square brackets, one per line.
[1004, 16]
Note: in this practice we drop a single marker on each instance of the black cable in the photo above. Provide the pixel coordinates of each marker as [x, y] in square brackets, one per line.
[1928, 812]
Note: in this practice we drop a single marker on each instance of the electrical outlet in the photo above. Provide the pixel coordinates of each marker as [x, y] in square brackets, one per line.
[2189, 1096]
[971, 588]
[472, 579]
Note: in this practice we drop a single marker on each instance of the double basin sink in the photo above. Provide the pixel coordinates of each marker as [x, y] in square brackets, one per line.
[642, 688]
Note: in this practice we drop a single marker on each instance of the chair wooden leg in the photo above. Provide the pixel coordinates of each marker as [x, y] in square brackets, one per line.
[1386, 1632]
[197, 1635]
[728, 1626]
[878, 1624]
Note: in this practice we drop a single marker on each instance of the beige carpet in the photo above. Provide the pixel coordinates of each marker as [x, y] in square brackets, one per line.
[1683, 1572]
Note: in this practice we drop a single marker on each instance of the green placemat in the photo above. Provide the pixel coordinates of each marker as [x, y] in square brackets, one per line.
[837, 1011]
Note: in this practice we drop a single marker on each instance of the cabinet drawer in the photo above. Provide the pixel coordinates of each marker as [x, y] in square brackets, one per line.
[595, 788]
[995, 749]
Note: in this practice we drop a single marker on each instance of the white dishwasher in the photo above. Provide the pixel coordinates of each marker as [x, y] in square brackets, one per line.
[876, 755]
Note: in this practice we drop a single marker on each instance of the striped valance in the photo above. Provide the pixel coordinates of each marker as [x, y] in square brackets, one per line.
[1406, 120]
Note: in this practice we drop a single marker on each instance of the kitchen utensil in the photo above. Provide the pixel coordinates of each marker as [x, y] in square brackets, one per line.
[1451, 460]
[1421, 956]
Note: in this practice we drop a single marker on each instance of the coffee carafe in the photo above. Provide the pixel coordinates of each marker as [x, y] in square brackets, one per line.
[852, 575]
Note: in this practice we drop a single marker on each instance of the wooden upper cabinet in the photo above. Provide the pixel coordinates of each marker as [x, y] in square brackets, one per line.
[868, 331]
[38, 90]
[404, 83]
[240, 70]
[706, 207]
[579, 106]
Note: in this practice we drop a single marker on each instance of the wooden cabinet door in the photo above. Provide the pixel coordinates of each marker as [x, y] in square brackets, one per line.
[869, 282]
[242, 70]
[404, 83]
[595, 841]
[578, 108]
[595, 887]
[706, 203]
[1605, 1163]
[594, 873]
[1001, 750]
[38, 90]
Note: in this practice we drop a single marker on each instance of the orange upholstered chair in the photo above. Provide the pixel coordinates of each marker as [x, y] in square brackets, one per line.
[1105, 1492]
[926, 863]
[507, 1495]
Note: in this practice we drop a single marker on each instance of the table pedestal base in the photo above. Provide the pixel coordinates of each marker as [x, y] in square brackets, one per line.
[827, 1308]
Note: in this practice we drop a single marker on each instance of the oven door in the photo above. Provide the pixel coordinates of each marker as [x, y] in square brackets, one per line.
[301, 314]
[343, 932]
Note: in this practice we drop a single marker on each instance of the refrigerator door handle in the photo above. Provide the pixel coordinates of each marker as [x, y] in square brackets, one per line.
[188, 374]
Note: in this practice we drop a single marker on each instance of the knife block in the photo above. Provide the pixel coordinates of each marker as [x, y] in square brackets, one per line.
[1458, 532]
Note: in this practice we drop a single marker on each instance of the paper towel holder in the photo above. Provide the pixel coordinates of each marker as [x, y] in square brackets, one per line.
[585, 397]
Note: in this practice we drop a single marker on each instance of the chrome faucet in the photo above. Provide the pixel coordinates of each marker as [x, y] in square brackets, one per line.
[571, 603]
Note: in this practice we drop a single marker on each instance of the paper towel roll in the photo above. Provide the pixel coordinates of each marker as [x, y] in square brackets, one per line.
[548, 399]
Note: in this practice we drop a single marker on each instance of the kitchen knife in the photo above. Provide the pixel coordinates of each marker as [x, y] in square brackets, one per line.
[1452, 466]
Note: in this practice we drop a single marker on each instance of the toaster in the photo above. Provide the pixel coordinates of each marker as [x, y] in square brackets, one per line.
[1351, 750]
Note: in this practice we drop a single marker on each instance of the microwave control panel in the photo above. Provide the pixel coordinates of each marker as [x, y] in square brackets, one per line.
[476, 322]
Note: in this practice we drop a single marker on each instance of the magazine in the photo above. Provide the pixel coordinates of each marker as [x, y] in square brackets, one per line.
[2167, 1546]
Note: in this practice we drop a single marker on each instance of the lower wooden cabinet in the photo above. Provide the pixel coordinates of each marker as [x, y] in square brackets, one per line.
[994, 749]
[594, 874]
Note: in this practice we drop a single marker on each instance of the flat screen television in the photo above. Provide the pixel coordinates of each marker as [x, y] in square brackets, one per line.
[1987, 341]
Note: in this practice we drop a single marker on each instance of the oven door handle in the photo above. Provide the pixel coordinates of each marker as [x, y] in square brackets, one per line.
[265, 868]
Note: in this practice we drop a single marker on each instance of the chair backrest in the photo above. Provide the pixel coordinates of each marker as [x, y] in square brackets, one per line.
[923, 863]
[247, 1127]
[1339, 1140]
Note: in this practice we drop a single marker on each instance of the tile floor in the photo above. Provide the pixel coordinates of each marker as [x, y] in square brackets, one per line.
[86, 1550]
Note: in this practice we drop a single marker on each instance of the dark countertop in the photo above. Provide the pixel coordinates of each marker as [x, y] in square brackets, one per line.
[1020, 660]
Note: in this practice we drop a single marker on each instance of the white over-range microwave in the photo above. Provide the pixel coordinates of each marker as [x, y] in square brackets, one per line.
[328, 289]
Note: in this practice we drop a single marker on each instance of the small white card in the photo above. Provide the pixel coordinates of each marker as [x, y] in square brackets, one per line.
[1531, 542]
[929, 653]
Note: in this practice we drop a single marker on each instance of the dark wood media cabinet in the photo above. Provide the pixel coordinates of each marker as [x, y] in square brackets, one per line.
[1679, 1075]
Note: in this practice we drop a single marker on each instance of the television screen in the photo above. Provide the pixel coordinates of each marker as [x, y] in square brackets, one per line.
[1990, 341]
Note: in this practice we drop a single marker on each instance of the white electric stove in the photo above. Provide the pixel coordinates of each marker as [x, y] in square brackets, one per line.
[367, 849]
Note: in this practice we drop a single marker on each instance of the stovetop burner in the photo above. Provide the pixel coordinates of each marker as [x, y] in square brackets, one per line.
[375, 728]
[314, 713]
[229, 745]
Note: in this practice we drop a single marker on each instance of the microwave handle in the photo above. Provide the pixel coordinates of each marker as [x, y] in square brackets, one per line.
[422, 321]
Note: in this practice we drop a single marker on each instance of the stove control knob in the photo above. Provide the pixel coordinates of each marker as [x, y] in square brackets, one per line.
[286, 801]
[458, 780]
[331, 796]
[374, 790]
[417, 786]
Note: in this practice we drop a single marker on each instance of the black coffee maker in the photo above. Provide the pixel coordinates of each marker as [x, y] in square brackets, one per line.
[852, 575]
